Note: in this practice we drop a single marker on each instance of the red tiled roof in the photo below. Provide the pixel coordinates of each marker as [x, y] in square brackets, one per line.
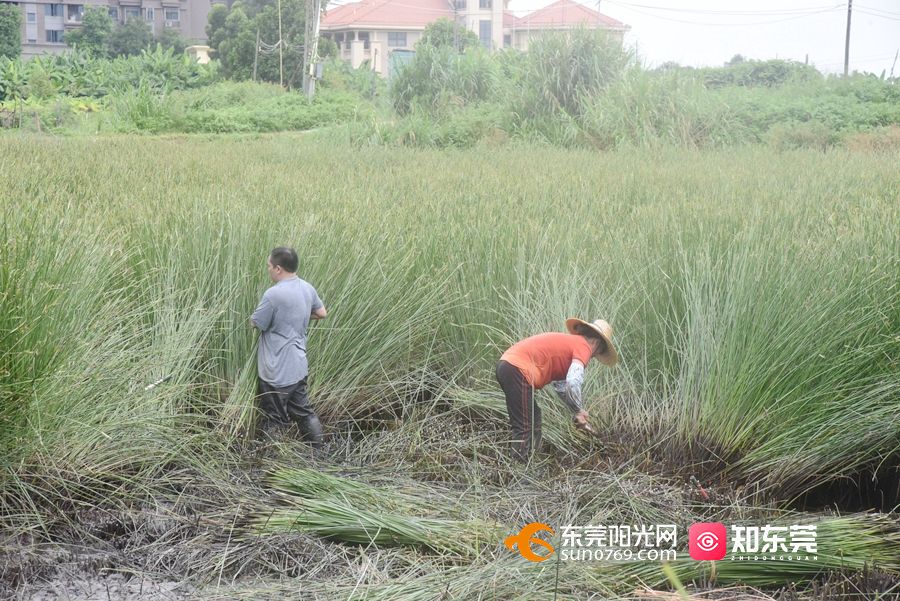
[566, 13]
[387, 13]
[416, 14]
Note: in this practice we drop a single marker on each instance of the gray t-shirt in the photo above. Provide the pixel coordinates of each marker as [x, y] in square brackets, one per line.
[282, 318]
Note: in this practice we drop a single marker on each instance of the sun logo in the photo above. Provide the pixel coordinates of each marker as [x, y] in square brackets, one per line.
[526, 537]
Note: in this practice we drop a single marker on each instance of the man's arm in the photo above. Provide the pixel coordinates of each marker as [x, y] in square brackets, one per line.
[262, 317]
[318, 310]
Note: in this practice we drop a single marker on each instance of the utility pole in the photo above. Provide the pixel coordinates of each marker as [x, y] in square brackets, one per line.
[280, 49]
[310, 46]
[847, 41]
[256, 56]
[456, 24]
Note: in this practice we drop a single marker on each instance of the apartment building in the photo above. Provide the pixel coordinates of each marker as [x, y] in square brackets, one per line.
[383, 33]
[44, 23]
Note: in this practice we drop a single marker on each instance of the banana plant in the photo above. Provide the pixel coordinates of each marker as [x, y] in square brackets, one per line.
[13, 79]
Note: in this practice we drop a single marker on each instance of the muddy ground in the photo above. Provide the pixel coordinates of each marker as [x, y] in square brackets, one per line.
[186, 547]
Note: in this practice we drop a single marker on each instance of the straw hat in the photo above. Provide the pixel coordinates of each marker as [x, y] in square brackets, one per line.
[599, 328]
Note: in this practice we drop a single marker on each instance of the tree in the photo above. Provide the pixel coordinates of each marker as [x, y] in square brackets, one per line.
[10, 30]
[94, 34]
[445, 33]
[172, 38]
[129, 39]
[232, 34]
[215, 27]
[235, 44]
[327, 48]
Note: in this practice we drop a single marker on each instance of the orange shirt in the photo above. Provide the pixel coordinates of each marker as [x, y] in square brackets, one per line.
[546, 358]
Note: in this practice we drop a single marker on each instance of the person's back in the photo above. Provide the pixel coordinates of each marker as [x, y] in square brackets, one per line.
[544, 358]
[283, 318]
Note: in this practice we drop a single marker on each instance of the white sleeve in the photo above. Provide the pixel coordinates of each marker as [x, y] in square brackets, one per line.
[570, 390]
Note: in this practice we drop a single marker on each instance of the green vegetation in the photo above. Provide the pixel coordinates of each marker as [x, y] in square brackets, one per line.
[738, 230]
[581, 91]
[232, 33]
[92, 37]
[584, 90]
[755, 301]
[445, 33]
[100, 37]
[10, 30]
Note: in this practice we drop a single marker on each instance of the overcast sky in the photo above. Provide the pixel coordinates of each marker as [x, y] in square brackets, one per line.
[709, 32]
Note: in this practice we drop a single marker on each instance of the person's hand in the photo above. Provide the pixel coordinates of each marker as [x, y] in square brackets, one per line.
[581, 421]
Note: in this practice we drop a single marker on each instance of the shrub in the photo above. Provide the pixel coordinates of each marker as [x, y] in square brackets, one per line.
[648, 109]
[561, 71]
[884, 139]
[439, 78]
[793, 136]
[769, 73]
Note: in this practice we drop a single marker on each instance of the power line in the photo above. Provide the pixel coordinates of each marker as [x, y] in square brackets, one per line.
[769, 12]
[879, 10]
[871, 14]
[732, 24]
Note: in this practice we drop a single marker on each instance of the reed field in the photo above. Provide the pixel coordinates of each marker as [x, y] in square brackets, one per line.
[755, 297]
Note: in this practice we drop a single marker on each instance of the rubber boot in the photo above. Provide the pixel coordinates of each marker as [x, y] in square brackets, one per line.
[312, 431]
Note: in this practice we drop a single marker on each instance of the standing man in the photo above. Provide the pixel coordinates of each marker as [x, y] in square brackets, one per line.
[552, 357]
[282, 318]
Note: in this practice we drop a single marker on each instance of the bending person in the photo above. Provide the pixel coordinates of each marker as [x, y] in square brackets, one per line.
[555, 357]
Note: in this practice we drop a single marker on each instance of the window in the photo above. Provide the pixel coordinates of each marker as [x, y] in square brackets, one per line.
[132, 13]
[484, 3]
[349, 40]
[114, 13]
[339, 39]
[31, 17]
[484, 33]
[396, 39]
[32, 40]
[364, 37]
[461, 5]
[507, 40]
[53, 10]
[54, 36]
[75, 12]
[148, 14]
[173, 14]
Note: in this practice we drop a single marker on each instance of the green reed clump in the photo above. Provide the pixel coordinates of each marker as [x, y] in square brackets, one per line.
[355, 512]
[754, 298]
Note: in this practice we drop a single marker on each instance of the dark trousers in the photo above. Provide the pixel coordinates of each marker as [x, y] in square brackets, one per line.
[524, 413]
[291, 403]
